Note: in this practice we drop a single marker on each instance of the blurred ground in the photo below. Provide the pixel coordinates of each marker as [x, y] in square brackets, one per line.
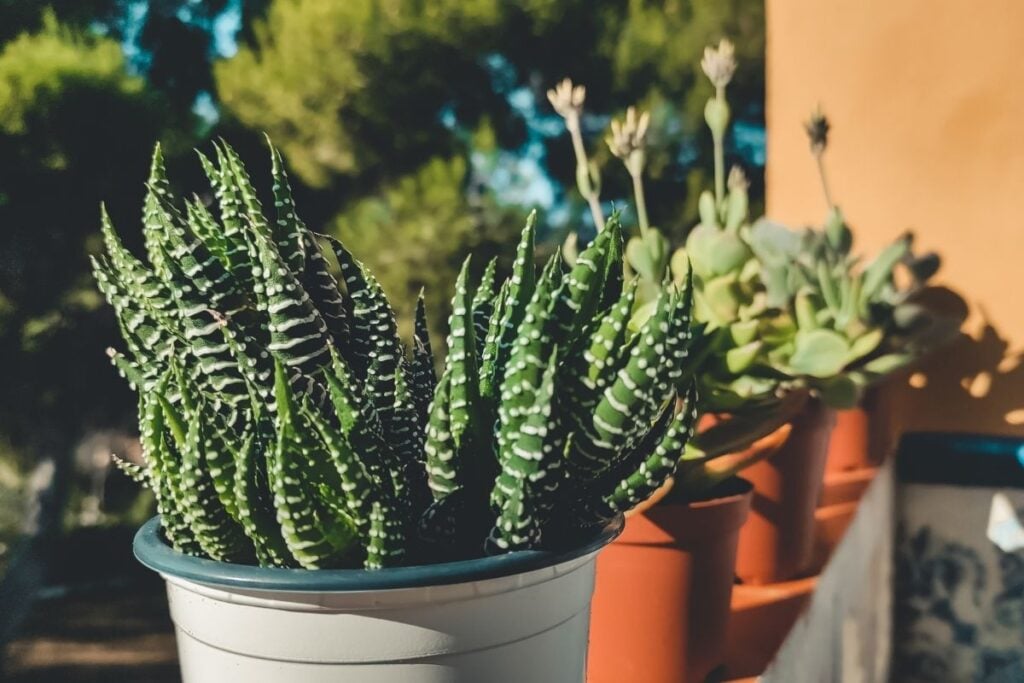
[102, 618]
[108, 636]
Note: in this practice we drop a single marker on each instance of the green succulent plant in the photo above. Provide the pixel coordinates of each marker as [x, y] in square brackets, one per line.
[730, 303]
[846, 324]
[778, 310]
[284, 423]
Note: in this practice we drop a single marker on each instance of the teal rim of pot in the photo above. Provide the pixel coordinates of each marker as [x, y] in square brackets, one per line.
[153, 551]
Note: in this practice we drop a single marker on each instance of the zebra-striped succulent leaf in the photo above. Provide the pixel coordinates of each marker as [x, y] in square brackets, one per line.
[422, 375]
[314, 536]
[483, 305]
[255, 502]
[532, 471]
[216, 532]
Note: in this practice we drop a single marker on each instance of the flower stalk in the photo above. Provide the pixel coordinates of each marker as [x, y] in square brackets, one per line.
[719, 65]
[627, 142]
[817, 128]
[567, 100]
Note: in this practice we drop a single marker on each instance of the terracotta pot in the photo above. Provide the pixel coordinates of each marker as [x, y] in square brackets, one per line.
[761, 618]
[863, 436]
[777, 542]
[849, 447]
[663, 591]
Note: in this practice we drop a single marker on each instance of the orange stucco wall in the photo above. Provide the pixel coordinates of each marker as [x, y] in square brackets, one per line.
[926, 98]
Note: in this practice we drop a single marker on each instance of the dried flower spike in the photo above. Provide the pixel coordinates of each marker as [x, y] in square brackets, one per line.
[817, 128]
[719, 64]
[567, 99]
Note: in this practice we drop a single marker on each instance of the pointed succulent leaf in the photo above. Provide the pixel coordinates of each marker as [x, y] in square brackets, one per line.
[159, 216]
[238, 249]
[519, 292]
[323, 289]
[201, 325]
[422, 376]
[584, 285]
[138, 473]
[298, 335]
[660, 465]
[531, 472]
[220, 464]
[386, 547]
[406, 440]
[462, 365]
[490, 381]
[440, 445]
[630, 402]
[314, 536]
[204, 226]
[166, 476]
[483, 305]
[359, 489]
[235, 174]
[255, 502]
[595, 366]
[289, 230]
[533, 343]
[216, 532]
[374, 332]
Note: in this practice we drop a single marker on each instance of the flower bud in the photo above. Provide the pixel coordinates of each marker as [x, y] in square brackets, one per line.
[567, 99]
[719, 64]
[716, 114]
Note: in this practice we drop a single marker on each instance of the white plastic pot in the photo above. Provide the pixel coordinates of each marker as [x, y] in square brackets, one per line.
[517, 618]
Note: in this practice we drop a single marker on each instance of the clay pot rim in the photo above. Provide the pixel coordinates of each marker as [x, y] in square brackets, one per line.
[716, 496]
[851, 476]
[721, 513]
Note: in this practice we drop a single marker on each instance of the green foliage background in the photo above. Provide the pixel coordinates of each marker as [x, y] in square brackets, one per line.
[391, 117]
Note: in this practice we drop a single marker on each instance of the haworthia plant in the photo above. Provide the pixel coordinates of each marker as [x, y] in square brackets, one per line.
[267, 436]
[583, 409]
[284, 423]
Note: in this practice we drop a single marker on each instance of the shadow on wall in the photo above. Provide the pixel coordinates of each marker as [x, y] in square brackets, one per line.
[974, 384]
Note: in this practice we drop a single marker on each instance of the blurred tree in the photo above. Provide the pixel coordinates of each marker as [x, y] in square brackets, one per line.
[19, 16]
[172, 43]
[351, 88]
[417, 130]
[429, 223]
[74, 128]
[373, 103]
[177, 47]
